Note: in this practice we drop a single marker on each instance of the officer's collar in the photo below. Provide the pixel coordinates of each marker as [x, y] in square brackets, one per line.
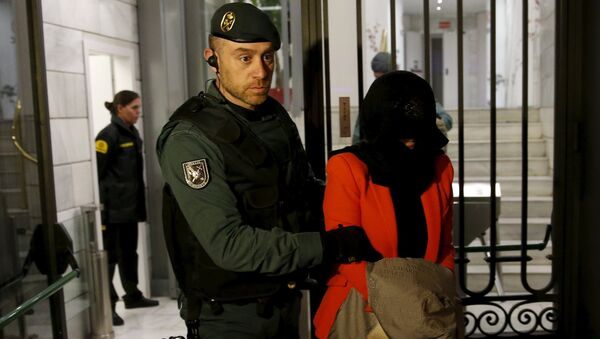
[252, 115]
[119, 122]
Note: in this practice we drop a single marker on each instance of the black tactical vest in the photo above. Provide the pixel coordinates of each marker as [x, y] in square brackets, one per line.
[271, 189]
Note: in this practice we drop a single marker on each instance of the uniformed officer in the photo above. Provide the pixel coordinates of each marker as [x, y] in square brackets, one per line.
[120, 168]
[236, 210]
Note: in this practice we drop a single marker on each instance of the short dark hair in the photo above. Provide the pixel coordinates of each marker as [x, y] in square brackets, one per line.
[122, 98]
[213, 42]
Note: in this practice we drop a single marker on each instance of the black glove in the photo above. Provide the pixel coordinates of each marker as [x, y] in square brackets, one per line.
[348, 244]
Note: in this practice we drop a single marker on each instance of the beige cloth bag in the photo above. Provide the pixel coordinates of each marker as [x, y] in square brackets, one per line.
[410, 298]
[353, 322]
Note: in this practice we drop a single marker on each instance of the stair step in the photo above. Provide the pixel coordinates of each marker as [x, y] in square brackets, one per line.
[6, 144]
[21, 217]
[538, 258]
[5, 127]
[13, 197]
[502, 115]
[539, 261]
[16, 211]
[504, 131]
[10, 179]
[509, 229]
[537, 166]
[511, 185]
[537, 278]
[504, 148]
[10, 161]
[536, 186]
[537, 207]
[511, 268]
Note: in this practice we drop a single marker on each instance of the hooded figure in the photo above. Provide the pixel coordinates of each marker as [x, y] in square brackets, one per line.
[400, 145]
[400, 104]
[396, 183]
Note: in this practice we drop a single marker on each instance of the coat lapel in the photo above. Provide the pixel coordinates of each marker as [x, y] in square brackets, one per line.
[387, 231]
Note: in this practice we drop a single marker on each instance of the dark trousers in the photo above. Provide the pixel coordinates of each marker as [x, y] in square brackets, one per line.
[243, 322]
[120, 243]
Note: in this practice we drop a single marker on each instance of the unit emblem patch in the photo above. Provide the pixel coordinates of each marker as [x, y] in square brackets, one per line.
[101, 146]
[196, 173]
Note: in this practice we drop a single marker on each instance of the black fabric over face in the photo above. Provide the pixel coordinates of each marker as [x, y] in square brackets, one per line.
[401, 105]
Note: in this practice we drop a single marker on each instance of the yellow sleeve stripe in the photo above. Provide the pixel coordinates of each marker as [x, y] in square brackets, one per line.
[127, 144]
[101, 146]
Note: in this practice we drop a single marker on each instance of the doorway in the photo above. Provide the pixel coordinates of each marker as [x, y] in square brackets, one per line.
[437, 68]
[111, 69]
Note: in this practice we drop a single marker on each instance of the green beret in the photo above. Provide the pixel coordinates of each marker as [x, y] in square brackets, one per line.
[243, 22]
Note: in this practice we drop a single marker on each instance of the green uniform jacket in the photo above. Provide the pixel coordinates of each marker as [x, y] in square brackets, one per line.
[211, 207]
[120, 173]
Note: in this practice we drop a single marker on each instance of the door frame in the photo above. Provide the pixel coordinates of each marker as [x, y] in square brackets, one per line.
[29, 27]
[94, 45]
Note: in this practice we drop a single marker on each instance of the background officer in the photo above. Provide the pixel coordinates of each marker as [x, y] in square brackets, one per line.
[238, 186]
[120, 172]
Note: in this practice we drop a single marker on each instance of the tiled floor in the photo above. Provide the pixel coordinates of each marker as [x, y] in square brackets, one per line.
[158, 322]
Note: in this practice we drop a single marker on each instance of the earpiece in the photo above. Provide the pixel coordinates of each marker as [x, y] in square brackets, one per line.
[212, 61]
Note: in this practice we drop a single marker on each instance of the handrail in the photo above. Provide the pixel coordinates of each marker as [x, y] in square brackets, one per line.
[43, 295]
[13, 280]
[14, 132]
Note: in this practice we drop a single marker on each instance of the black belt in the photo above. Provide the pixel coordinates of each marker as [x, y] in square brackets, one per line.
[264, 305]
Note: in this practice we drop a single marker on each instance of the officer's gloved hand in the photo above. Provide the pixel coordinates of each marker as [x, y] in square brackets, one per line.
[348, 244]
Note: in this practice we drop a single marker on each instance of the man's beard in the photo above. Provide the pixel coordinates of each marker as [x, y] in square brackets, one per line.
[245, 94]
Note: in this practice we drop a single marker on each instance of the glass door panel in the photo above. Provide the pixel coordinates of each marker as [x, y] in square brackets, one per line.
[20, 208]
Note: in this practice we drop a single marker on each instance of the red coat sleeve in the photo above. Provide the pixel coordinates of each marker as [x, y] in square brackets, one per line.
[447, 252]
[342, 206]
[342, 195]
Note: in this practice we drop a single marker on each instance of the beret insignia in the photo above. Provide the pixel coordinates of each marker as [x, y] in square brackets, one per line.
[227, 21]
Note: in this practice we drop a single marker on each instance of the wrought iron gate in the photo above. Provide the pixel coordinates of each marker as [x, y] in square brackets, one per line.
[491, 309]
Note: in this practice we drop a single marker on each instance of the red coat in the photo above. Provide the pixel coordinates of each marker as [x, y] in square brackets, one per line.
[351, 198]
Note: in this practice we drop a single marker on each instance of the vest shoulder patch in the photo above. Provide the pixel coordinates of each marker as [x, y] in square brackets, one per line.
[101, 146]
[196, 173]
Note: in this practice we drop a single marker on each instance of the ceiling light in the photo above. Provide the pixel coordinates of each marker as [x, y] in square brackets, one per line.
[439, 8]
[440, 1]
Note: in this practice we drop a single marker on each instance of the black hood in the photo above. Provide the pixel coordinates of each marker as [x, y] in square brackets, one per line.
[400, 105]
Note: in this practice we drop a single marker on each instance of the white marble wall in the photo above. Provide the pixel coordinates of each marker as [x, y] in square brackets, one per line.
[342, 51]
[64, 34]
[8, 55]
[67, 23]
[547, 46]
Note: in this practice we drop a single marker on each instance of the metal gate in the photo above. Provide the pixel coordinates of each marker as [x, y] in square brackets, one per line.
[504, 262]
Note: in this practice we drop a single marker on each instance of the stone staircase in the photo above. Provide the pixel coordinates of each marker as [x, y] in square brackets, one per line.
[508, 175]
[509, 168]
[12, 188]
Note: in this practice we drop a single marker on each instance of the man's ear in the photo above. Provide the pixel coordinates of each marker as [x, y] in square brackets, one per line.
[211, 58]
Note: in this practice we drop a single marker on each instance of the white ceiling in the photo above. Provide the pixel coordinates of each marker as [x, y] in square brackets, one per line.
[448, 7]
